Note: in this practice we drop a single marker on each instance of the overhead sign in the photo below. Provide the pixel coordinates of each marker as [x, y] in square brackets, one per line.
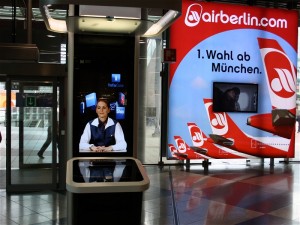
[34, 100]
[30, 101]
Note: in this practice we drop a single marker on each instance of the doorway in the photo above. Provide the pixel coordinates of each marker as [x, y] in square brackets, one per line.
[30, 123]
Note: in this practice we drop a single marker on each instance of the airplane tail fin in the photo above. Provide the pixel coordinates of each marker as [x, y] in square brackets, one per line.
[172, 149]
[197, 136]
[281, 74]
[182, 147]
[221, 123]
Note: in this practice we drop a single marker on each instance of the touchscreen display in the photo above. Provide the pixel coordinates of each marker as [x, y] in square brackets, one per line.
[105, 170]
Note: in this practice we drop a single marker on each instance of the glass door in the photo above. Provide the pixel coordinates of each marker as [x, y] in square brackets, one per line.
[3, 134]
[32, 124]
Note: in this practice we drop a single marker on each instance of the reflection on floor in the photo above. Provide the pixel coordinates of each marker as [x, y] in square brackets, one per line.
[240, 194]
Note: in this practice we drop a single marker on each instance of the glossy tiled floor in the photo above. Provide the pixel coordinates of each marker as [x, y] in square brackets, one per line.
[230, 193]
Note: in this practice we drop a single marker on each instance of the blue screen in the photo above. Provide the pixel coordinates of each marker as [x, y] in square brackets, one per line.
[120, 113]
[116, 78]
[90, 99]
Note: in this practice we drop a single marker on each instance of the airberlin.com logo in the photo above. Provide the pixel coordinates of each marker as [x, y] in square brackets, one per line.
[194, 15]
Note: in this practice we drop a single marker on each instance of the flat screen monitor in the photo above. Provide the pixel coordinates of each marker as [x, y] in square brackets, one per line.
[235, 97]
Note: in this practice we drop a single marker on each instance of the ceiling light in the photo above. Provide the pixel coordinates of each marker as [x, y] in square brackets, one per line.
[110, 18]
[110, 11]
[161, 24]
[105, 25]
[54, 25]
[126, 19]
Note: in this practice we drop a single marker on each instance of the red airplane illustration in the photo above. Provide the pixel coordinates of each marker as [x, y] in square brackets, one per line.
[175, 154]
[184, 150]
[226, 133]
[201, 143]
[281, 76]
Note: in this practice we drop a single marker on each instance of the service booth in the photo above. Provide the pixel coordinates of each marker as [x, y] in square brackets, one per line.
[103, 44]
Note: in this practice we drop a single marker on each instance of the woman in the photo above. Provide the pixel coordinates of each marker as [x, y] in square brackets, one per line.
[102, 134]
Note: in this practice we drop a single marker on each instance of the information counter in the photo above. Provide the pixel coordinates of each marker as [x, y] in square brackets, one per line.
[105, 190]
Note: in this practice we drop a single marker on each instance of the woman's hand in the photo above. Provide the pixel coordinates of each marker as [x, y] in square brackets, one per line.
[101, 149]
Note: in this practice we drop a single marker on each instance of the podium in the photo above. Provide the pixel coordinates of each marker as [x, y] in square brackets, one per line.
[105, 190]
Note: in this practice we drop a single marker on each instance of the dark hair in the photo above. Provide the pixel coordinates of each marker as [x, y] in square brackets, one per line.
[105, 100]
[236, 90]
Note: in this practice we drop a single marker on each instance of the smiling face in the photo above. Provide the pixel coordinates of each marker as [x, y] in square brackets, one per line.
[102, 110]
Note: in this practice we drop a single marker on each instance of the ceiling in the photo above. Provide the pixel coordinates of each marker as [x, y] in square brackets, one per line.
[288, 4]
[282, 4]
[7, 6]
[49, 43]
[60, 11]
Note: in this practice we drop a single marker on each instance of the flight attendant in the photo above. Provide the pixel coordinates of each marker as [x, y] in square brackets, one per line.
[102, 134]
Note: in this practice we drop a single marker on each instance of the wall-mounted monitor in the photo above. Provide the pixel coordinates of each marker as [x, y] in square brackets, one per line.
[235, 97]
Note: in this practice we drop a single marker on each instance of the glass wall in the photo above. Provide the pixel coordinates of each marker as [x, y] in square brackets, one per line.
[149, 100]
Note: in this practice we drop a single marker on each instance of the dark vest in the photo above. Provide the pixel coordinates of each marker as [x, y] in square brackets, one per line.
[101, 136]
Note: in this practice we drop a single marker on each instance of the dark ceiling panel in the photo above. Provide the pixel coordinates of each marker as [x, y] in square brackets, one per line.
[287, 4]
[284, 4]
[19, 3]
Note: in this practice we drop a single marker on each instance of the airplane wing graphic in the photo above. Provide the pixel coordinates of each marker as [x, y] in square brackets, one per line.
[199, 150]
[221, 140]
[225, 130]
[280, 122]
[283, 117]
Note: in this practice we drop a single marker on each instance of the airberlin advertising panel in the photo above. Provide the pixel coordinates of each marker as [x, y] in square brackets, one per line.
[232, 90]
